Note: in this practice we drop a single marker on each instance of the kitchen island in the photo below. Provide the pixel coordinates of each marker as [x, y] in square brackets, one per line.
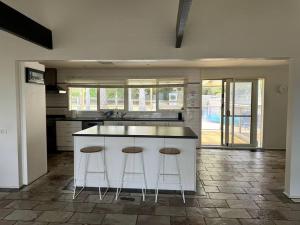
[151, 139]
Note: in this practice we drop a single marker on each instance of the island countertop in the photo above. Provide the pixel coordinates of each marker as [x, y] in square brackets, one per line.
[138, 131]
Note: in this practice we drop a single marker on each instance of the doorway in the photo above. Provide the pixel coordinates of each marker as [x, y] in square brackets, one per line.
[229, 113]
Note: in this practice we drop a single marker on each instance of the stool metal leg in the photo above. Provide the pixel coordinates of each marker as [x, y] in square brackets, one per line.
[77, 178]
[102, 155]
[122, 179]
[145, 182]
[180, 181]
[105, 175]
[157, 180]
[87, 160]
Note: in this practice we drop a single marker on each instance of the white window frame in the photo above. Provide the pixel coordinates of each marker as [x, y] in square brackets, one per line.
[126, 97]
[68, 93]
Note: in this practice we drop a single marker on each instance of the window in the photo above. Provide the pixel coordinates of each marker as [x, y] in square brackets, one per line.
[83, 99]
[137, 95]
[170, 98]
[112, 98]
[142, 99]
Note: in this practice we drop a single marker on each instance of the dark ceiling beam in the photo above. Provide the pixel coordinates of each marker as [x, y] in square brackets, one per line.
[22, 26]
[183, 12]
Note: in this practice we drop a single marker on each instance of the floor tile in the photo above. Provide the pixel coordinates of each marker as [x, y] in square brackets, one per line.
[69, 197]
[189, 202]
[290, 215]
[108, 208]
[30, 223]
[139, 209]
[205, 212]
[231, 190]
[170, 211]
[4, 203]
[233, 213]
[221, 221]
[22, 204]
[256, 222]
[286, 222]
[119, 219]
[3, 194]
[238, 179]
[182, 220]
[266, 214]
[87, 218]
[153, 220]
[50, 206]
[55, 216]
[79, 207]
[222, 196]
[132, 200]
[96, 199]
[23, 215]
[212, 203]
[242, 204]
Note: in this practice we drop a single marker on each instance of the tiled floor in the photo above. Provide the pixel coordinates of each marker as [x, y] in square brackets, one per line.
[234, 187]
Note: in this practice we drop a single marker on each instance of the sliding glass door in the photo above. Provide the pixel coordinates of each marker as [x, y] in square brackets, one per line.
[229, 113]
[239, 113]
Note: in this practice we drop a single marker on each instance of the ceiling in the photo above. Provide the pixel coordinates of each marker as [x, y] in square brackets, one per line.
[197, 63]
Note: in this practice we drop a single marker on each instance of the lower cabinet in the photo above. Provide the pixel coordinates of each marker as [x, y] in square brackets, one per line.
[64, 131]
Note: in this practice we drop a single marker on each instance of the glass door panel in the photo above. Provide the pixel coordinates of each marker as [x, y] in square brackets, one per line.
[211, 132]
[238, 113]
[242, 112]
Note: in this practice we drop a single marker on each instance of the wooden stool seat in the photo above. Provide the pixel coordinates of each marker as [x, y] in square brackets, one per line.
[92, 149]
[132, 150]
[169, 151]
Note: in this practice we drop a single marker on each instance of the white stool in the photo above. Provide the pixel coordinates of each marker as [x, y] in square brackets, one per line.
[169, 152]
[87, 152]
[132, 151]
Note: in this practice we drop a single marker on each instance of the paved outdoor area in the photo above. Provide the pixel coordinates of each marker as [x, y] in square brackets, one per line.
[234, 187]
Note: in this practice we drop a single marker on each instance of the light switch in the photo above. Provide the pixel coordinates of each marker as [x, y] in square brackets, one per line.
[3, 131]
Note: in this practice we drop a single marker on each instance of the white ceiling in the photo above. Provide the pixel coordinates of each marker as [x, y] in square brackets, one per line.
[198, 63]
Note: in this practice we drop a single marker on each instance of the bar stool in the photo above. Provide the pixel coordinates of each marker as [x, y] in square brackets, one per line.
[169, 152]
[132, 151]
[87, 152]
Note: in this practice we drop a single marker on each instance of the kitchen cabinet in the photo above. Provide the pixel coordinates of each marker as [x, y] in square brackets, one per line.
[64, 131]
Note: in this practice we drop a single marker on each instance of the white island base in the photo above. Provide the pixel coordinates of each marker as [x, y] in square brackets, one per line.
[151, 146]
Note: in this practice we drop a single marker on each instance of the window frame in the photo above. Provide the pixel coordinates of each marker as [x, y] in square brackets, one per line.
[126, 96]
[68, 93]
[98, 99]
[170, 86]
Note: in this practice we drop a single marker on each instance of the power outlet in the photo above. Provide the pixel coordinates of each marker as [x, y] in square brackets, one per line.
[3, 131]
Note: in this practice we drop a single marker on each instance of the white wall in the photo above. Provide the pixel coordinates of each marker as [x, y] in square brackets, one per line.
[139, 29]
[33, 126]
[292, 178]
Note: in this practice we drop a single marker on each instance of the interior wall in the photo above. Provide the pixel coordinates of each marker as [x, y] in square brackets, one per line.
[33, 126]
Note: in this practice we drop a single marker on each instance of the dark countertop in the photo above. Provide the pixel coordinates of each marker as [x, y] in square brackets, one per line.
[119, 119]
[80, 119]
[139, 131]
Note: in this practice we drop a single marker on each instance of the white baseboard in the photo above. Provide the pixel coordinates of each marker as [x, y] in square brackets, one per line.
[293, 197]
